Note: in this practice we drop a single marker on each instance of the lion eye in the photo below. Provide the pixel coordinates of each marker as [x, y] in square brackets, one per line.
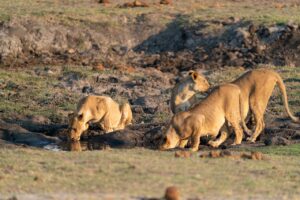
[74, 129]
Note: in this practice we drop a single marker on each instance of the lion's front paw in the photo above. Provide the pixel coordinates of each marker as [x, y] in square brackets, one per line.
[250, 140]
[213, 144]
[194, 149]
[235, 143]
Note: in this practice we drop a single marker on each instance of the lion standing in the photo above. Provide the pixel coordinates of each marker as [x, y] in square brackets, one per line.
[256, 87]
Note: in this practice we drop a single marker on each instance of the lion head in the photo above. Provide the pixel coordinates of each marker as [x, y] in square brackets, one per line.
[198, 82]
[170, 140]
[76, 126]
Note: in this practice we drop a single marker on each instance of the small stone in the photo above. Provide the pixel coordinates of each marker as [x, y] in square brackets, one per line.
[183, 154]
[87, 89]
[166, 2]
[268, 142]
[104, 1]
[215, 154]
[225, 153]
[71, 51]
[256, 155]
[99, 67]
[172, 193]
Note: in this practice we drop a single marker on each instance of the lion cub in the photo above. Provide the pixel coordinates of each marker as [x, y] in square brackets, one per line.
[98, 109]
[183, 93]
[207, 118]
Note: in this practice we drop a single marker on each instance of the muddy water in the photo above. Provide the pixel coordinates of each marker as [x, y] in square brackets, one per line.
[80, 146]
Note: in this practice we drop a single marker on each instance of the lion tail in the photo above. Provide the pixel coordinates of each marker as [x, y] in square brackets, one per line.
[285, 99]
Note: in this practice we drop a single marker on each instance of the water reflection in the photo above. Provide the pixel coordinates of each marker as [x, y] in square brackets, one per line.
[75, 146]
[80, 146]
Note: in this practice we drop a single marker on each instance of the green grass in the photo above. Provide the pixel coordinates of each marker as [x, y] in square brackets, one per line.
[142, 172]
[291, 150]
[90, 12]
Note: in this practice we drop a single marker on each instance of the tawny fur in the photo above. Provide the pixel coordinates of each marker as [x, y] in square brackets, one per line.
[183, 93]
[207, 118]
[257, 87]
[98, 109]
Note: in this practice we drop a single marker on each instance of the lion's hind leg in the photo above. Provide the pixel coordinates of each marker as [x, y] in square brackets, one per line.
[258, 107]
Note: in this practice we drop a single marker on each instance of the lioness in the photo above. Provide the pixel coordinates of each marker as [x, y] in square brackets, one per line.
[256, 87]
[109, 114]
[183, 93]
[207, 118]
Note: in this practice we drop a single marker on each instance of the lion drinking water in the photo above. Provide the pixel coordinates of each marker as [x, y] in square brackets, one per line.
[98, 109]
[207, 118]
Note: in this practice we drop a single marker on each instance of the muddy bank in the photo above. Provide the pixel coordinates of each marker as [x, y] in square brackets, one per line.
[144, 41]
[18, 135]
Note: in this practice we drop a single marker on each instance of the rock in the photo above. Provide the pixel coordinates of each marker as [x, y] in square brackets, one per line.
[278, 140]
[166, 2]
[71, 51]
[296, 136]
[183, 154]
[172, 193]
[225, 153]
[135, 3]
[104, 1]
[256, 155]
[215, 154]
[112, 79]
[268, 142]
[87, 89]
[252, 29]
[99, 67]
[120, 50]
[138, 109]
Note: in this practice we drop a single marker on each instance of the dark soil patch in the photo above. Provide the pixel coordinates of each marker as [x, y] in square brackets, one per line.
[178, 46]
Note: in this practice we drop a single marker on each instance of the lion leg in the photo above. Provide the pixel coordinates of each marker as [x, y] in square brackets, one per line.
[220, 140]
[183, 143]
[246, 129]
[106, 124]
[260, 125]
[237, 130]
[258, 108]
[195, 142]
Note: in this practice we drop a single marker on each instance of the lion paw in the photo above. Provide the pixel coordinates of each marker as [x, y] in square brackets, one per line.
[194, 149]
[250, 140]
[235, 144]
[213, 144]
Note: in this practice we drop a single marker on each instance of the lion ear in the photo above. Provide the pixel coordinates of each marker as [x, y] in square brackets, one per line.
[191, 72]
[194, 75]
[80, 117]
